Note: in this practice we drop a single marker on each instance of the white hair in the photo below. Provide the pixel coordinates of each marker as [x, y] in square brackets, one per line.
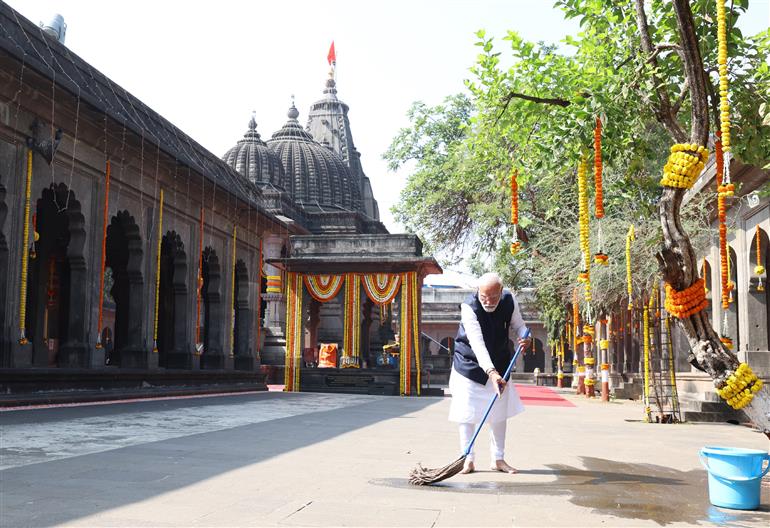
[490, 279]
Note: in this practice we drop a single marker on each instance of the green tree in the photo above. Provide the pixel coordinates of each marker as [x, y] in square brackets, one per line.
[651, 75]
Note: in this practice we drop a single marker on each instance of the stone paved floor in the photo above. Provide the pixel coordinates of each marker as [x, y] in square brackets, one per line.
[277, 459]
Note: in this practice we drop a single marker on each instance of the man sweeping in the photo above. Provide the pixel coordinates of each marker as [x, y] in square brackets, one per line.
[488, 319]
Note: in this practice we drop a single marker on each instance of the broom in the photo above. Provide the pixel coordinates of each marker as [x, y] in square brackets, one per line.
[421, 476]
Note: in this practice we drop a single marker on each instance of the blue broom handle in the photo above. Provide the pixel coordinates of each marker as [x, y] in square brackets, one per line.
[494, 398]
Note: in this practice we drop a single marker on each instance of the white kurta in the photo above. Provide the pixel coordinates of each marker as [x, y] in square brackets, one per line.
[470, 399]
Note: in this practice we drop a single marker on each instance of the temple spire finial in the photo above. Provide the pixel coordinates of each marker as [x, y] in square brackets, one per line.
[293, 113]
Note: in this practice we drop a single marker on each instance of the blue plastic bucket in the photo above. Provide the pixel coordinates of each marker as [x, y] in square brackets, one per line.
[735, 476]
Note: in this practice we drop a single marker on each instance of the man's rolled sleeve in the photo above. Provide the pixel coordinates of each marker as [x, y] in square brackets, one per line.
[517, 327]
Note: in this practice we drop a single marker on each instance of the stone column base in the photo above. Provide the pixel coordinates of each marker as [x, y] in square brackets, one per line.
[179, 360]
[134, 358]
[212, 361]
[74, 355]
[244, 363]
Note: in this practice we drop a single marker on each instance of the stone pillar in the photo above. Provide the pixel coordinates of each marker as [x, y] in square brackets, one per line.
[75, 352]
[244, 358]
[274, 349]
[135, 354]
[213, 356]
[181, 356]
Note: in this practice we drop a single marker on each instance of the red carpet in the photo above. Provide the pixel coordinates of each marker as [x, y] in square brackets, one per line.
[532, 395]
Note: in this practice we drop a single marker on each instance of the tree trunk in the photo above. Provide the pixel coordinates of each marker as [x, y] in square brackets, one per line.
[677, 259]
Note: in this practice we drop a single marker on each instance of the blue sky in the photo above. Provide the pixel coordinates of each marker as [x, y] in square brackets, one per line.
[206, 65]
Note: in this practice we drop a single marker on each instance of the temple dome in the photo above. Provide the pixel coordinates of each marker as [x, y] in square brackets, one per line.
[312, 173]
[254, 160]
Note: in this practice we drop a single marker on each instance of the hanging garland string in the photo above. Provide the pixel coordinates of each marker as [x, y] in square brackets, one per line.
[585, 273]
[293, 331]
[259, 297]
[646, 323]
[727, 187]
[404, 340]
[600, 258]
[516, 243]
[413, 296]
[157, 275]
[722, 217]
[759, 269]
[381, 288]
[100, 318]
[25, 254]
[199, 288]
[323, 288]
[575, 326]
[352, 323]
[630, 237]
[232, 294]
[408, 336]
[598, 169]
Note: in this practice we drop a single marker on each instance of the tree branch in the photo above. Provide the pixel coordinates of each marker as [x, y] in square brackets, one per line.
[693, 68]
[542, 100]
[661, 48]
[662, 110]
[680, 99]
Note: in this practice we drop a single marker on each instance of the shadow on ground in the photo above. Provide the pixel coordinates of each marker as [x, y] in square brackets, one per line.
[58, 491]
[632, 491]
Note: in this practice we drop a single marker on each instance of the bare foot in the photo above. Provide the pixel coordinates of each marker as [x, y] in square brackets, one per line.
[468, 468]
[502, 465]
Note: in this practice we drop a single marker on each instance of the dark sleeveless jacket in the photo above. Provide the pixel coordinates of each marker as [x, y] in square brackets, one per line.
[494, 328]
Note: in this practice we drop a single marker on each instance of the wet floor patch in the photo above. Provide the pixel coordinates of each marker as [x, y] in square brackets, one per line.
[632, 491]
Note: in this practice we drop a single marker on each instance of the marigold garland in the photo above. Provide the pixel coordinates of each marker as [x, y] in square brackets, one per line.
[100, 317]
[691, 300]
[601, 259]
[157, 274]
[352, 322]
[293, 330]
[630, 237]
[724, 188]
[381, 288]
[724, 104]
[575, 321]
[759, 269]
[199, 288]
[514, 197]
[516, 243]
[598, 169]
[684, 167]
[740, 387]
[232, 292]
[323, 288]
[722, 217]
[585, 274]
[646, 327]
[25, 254]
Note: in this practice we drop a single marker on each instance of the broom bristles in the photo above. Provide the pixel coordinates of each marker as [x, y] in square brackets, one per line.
[421, 476]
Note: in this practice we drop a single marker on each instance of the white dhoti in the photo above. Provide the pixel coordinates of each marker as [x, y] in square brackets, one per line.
[470, 401]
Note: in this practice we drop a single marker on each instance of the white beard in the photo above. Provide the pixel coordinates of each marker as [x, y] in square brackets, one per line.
[490, 309]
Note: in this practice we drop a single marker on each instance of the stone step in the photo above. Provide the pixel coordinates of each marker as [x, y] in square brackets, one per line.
[714, 417]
